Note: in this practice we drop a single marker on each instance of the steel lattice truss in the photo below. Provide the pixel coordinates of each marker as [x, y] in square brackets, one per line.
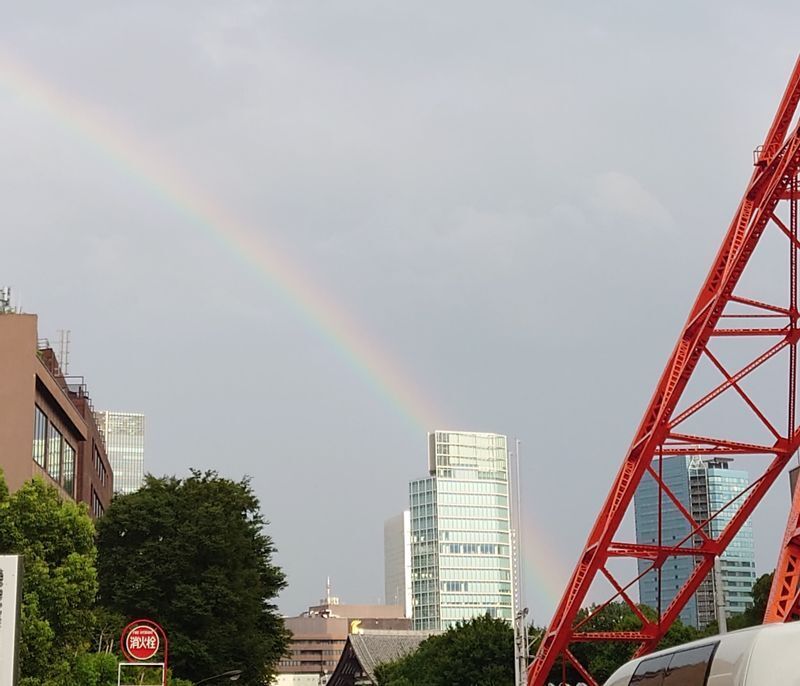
[783, 605]
[725, 315]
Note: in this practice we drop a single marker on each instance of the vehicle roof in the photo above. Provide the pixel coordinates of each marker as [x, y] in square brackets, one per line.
[751, 633]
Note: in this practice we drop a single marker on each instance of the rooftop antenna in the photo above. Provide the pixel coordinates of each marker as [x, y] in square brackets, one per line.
[328, 591]
[5, 301]
[63, 350]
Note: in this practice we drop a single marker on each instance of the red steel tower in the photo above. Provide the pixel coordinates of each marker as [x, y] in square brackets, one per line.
[738, 328]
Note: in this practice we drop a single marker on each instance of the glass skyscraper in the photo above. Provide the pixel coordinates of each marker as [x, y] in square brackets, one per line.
[703, 487]
[124, 438]
[460, 531]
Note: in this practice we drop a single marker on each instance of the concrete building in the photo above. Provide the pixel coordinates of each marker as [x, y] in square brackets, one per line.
[703, 487]
[397, 560]
[320, 634]
[47, 425]
[124, 438]
[461, 531]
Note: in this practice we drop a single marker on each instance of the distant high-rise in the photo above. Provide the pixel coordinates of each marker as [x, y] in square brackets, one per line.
[703, 487]
[397, 560]
[124, 439]
[461, 531]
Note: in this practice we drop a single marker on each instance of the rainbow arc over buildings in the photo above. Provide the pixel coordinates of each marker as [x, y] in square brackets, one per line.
[316, 306]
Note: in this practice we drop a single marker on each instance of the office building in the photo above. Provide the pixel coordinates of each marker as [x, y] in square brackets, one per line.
[397, 560]
[703, 487]
[460, 531]
[319, 636]
[124, 438]
[47, 426]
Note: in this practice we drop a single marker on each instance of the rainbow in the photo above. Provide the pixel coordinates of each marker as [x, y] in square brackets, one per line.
[322, 313]
[316, 306]
[544, 573]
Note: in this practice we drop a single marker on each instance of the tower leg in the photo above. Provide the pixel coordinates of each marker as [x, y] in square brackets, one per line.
[719, 313]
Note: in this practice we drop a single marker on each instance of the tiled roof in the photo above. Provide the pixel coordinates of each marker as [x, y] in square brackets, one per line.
[365, 651]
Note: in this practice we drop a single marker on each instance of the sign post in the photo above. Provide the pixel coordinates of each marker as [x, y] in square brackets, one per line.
[141, 642]
[10, 601]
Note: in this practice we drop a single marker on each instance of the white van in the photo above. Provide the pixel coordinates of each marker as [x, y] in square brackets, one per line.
[767, 655]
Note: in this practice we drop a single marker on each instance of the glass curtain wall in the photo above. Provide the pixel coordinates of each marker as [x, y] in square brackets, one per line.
[460, 531]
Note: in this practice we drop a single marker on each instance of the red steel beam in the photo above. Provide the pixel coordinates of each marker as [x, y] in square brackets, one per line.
[782, 605]
[784, 598]
[772, 179]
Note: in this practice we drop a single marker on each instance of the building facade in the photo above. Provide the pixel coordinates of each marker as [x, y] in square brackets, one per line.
[319, 636]
[461, 531]
[124, 438]
[397, 561]
[47, 427]
[703, 487]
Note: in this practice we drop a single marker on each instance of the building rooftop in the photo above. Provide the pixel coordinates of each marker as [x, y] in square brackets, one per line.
[365, 651]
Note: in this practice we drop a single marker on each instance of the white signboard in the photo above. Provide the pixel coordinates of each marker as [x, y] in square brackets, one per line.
[10, 598]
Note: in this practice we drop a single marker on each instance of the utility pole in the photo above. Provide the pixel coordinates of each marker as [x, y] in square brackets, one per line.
[520, 648]
[719, 597]
[521, 653]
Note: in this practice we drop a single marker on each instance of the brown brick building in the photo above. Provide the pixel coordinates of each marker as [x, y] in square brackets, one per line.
[47, 426]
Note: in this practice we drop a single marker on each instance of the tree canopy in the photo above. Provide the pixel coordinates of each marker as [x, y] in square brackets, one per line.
[479, 652]
[56, 540]
[192, 555]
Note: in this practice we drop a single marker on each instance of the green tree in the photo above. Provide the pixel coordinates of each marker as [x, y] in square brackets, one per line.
[761, 589]
[56, 540]
[100, 669]
[479, 652]
[96, 669]
[192, 555]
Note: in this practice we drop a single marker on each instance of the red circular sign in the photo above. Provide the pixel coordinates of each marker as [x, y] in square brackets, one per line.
[142, 642]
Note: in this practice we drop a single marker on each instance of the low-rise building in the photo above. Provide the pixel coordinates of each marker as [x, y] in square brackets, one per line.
[365, 651]
[47, 425]
[319, 636]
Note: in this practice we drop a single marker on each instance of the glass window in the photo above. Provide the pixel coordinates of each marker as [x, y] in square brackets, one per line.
[39, 437]
[650, 672]
[690, 667]
[54, 442]
[681, 668]
[69, 469]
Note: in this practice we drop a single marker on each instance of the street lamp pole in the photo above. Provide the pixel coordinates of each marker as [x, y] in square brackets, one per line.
[232, 674]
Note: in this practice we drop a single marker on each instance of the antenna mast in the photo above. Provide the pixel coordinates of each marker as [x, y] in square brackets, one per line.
[63, 350]
[5, 301]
